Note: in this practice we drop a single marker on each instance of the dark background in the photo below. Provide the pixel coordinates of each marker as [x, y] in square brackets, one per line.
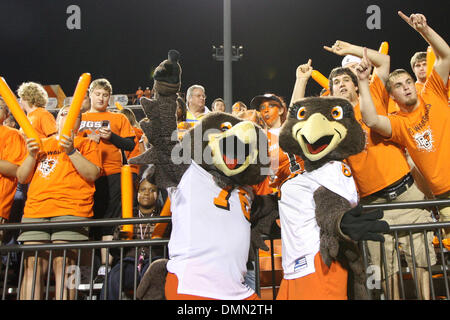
[124, 40]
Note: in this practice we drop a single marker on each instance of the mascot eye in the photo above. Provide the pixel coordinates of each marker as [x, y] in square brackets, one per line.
[225, 126]
[337, 113]
[301, 113]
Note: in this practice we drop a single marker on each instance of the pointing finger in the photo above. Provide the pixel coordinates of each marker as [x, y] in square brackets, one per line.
[365, 55]
[403, 16]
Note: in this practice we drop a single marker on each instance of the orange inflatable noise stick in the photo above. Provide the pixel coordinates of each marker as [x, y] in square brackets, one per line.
[127, 198]
[431, 57]
[75, 106]
[118, 105]
[18, 113]
[160, 227]
[320, 79]
[384, 48]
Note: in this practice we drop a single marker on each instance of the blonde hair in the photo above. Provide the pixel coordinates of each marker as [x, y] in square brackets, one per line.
[102, 84]
[130, 116]
[33, 93]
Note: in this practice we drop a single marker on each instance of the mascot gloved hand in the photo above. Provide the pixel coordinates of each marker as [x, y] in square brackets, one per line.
[368, 226]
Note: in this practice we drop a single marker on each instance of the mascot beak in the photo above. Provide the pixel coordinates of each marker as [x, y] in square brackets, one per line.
[235, 149]
[318, 136]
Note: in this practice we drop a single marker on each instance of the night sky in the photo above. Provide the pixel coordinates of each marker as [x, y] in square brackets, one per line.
[124, 40]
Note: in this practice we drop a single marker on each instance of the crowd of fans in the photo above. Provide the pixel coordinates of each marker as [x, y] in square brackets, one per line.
[77, 176]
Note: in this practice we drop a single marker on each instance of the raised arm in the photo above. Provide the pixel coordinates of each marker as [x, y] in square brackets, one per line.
[440, 47]
[380, 61]
[302, 75]
[371, 118]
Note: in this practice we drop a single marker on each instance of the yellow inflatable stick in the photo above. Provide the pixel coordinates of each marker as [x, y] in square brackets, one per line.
[18, 113]
[77, 101]
[127, 198]
[118, 105]
[384, 48]
[430, 60]
[320, 79]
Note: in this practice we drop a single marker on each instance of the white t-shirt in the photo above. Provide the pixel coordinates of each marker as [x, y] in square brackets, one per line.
[209, 245]
[300, 233]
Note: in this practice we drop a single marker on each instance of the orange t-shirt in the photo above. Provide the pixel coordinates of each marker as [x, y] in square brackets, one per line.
[419, 87]
[56, 187]
[392, 106]
[425, 132]
[43, 122]
[119, 124]
[13, 150]
[282, 163]
[382, 162]
[136, 151]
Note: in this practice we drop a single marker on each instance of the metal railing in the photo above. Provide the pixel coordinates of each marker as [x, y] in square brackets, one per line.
[442, 254]
[11, 289]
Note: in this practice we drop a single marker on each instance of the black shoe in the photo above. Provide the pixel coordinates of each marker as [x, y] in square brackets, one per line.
[100, 278]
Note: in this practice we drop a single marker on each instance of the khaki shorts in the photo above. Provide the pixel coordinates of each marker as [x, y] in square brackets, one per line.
[403, 216]
[76, 234]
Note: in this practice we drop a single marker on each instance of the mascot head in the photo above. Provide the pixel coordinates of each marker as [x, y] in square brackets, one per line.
[322, 129]
[233, 150]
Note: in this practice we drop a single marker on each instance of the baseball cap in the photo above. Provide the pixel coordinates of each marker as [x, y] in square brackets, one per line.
[256, 101]
[350, 59]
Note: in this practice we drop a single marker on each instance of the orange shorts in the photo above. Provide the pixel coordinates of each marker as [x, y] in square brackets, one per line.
[324, 284]
[172, 286]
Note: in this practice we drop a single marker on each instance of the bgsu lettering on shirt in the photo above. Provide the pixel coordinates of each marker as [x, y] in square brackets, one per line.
[93, 126]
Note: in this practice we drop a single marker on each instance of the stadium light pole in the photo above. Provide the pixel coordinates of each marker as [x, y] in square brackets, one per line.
[227, 56]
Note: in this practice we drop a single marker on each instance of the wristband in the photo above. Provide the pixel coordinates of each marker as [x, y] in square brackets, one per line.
[72, 152]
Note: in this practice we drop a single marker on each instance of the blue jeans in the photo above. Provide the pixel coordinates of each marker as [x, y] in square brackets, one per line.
[127, 278]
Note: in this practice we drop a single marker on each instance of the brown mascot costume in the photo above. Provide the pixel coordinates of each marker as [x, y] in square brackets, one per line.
[215, 213]
[321, 220]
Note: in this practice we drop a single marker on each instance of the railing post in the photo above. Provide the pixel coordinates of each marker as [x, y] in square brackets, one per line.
[366, 265]
[430, 273]
[257, 273]
[399, 261]
[444, 264]
[413, 257]
[49, 270]
[5, 281]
